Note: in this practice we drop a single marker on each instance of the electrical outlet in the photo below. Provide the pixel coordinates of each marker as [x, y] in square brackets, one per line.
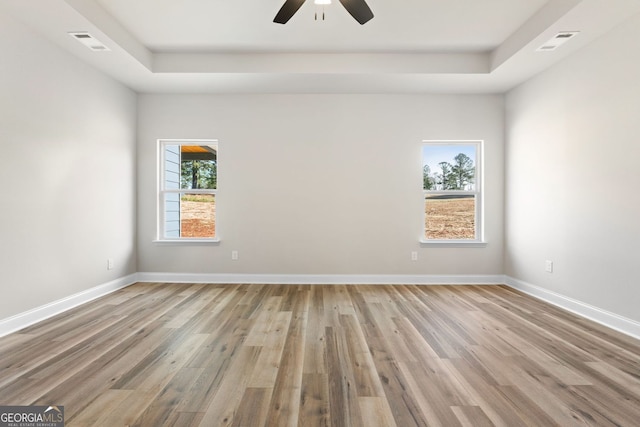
[109, 264]
[234, 255]
[548, 266]
[414, 256]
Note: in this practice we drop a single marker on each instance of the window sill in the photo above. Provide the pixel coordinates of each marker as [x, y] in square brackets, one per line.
[187, 241]
[452, 243]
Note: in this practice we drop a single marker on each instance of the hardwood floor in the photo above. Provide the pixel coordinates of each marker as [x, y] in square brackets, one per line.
[254, 355]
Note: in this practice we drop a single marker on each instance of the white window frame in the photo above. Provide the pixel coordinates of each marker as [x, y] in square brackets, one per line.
[162, 192]
[478, 193]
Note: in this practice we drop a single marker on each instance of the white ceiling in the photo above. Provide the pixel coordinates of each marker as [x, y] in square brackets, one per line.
[410, 46]
[246, 25]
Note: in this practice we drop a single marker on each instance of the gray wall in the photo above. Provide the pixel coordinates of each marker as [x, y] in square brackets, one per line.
[319, 184]
[67, 168]
[572, 180]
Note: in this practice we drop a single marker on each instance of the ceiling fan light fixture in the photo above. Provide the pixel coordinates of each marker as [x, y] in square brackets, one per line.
[358, 9]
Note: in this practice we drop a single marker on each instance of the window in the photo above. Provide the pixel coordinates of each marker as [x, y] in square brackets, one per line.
[451, 179]
[187, 190]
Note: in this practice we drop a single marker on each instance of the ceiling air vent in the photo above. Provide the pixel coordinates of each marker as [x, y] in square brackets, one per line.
[89, 41]
[557, 40]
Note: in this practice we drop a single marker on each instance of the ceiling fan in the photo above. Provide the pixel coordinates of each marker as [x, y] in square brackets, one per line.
[359, 9]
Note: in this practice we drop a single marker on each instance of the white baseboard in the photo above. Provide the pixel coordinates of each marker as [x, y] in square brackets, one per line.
[38, 314]
[598, 315]
[611, 320]
[318, 279]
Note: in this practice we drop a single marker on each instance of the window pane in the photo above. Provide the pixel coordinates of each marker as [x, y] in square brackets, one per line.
[172, 215]
[199, 167]
[449, 167]
[189, 180]
[197, 215]
[449, 216]
[172, 167]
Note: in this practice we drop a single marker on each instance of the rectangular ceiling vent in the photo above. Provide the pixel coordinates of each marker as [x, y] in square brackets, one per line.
[557, 40]
[89, 41]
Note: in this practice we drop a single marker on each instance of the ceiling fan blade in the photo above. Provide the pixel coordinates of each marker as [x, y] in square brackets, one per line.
[359, 9]
[288, 9]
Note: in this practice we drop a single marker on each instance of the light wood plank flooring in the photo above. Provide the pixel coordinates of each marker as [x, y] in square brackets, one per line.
[255, 355]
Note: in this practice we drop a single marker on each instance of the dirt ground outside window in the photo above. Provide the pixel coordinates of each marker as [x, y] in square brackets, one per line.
[198, 215]
[450, 218]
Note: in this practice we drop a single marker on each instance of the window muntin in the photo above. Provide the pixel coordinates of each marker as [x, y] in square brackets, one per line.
[451, 179]
[187, 190]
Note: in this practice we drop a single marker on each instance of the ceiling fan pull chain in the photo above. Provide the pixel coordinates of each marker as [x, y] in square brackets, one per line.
[316, 13]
